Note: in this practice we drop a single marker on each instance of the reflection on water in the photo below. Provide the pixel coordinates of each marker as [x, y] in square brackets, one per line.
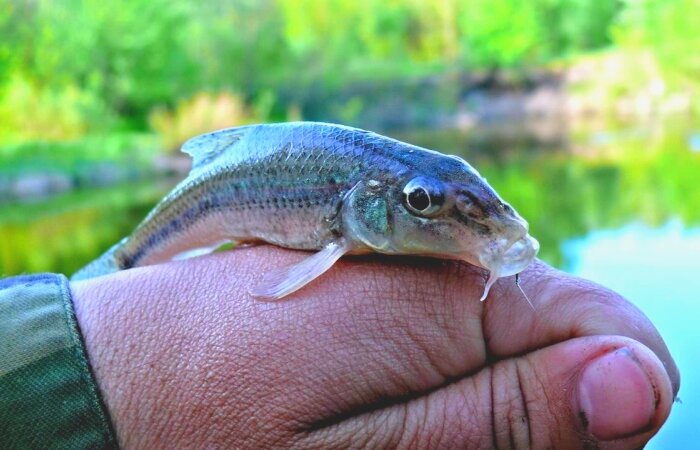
[569, 185]
[63, 233]
[657, 270]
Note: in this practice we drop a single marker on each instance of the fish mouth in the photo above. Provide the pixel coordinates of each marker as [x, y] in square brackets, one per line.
[513, 258]
[519, 255]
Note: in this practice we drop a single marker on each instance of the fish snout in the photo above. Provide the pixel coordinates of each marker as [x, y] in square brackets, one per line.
[510, 225]
[509, 214]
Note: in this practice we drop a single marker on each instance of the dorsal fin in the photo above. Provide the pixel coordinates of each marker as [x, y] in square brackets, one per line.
[207, 147]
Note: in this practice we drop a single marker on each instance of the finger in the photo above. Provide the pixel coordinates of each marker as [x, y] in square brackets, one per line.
[565, 307]
[602, 391]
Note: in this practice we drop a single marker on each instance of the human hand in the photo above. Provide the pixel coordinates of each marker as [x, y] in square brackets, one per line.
[378, 352]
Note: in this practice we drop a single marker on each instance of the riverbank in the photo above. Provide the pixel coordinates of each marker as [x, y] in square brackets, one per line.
[610, 85]
[607, 86]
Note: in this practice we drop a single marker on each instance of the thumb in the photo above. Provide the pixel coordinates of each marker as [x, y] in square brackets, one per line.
[606, 391]
[599, 389]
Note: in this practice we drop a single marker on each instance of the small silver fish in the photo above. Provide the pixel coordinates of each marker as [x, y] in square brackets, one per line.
[332, 188]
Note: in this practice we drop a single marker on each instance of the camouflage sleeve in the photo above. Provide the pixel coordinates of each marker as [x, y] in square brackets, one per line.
[48, 395]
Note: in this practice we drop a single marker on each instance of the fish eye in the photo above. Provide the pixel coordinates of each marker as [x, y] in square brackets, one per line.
[418, 199]
[423, 197]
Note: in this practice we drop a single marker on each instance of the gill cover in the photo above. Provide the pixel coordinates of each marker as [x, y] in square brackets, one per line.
[365, 215]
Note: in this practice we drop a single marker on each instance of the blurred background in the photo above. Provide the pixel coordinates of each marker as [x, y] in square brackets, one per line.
[581, 113]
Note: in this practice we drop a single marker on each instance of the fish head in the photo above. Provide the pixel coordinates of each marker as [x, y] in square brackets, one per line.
[443, 209]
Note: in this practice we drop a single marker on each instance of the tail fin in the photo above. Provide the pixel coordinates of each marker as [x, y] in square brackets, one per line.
[105, 264]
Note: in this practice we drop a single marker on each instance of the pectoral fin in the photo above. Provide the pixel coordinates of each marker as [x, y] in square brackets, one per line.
[284, 281]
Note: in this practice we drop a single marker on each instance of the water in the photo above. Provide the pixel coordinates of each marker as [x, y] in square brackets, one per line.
[656, 268]
[62, 233]
[618, 206]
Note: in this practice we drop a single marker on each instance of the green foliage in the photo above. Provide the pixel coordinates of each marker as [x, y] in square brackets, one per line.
[70, 67]
[504, 33]
[669, 29]
[129, 55]
[32, 112]
[204, 113]
[571, 26]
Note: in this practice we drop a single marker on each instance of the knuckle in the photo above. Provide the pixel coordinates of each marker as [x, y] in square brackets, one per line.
[512, 412]
[447, 421]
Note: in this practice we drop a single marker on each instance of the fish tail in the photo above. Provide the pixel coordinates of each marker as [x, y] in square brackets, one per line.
[105, 264]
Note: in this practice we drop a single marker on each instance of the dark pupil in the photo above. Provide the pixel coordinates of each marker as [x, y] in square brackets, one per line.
[418, 199]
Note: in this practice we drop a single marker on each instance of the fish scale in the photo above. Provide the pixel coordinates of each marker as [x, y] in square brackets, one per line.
[325, 187]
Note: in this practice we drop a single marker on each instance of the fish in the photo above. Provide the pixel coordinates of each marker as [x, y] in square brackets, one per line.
[328, 188]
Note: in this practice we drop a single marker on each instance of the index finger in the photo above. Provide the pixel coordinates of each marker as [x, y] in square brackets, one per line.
[565, 307]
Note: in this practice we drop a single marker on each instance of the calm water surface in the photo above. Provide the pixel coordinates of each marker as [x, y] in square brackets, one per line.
[620, 207]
